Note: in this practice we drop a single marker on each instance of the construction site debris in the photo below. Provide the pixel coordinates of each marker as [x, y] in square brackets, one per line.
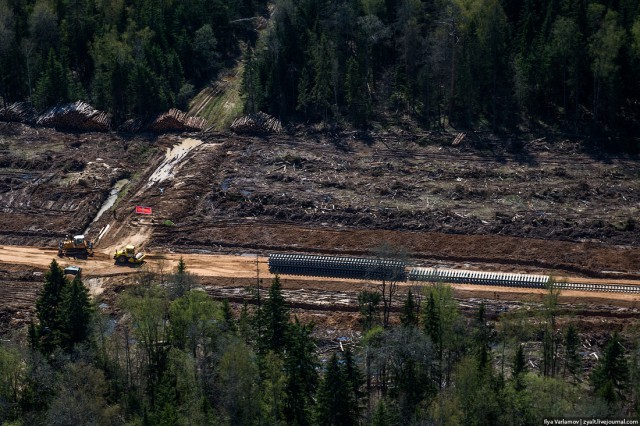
[77, 116]
[258, 123]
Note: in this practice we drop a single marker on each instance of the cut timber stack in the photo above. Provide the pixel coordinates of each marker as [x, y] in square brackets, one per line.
[256, 123]
[77, 116]
[176, 120]
[21, 112]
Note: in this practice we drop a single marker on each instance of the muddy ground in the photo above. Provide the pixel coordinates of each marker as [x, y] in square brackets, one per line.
[284, 190]
[545, 205]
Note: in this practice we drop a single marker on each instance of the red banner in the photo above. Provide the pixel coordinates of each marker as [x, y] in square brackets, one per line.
[143, 210]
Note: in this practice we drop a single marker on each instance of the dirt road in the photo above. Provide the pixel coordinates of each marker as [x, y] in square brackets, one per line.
[225, 269]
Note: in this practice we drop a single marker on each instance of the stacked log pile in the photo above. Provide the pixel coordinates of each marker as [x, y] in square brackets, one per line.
[77, 116]
[21, 112]
[256, 123]
[176, 120]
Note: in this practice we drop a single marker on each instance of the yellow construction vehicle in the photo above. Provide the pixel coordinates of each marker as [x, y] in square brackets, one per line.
[128, 255]
[76, 246]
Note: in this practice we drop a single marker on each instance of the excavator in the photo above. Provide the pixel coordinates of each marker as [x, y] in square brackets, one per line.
[128, 255]
[77, 246]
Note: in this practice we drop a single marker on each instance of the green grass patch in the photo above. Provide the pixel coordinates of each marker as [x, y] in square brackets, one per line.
[220, 103]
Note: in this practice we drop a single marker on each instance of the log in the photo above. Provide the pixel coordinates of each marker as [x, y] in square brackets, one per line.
[21, 112]
[459, 138]
[176, 120]
[258, 123]
[76, 116]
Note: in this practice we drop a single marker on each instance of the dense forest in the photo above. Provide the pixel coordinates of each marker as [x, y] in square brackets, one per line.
[499, 64]
[567, 65]
[128, 57]
[168, 354]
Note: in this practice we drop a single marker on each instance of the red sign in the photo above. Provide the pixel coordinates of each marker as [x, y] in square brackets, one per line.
[143, 210]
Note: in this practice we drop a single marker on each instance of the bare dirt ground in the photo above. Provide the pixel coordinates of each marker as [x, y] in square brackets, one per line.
[544, 206]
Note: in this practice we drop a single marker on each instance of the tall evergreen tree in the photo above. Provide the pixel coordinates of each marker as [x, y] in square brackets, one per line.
[75, 314]
[408, 314]
[368, 302]
[48, 307]
[482, 339]
[572, 356]
[274, 319]
[302, 377]
[432, 323]
[610, 377]
[334, 402]
[355, 378]
[519, 368]
[53, 86]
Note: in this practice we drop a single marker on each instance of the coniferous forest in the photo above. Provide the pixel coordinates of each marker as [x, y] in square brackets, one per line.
[561, 65]
[163, 352]
[125, 57]
[500, 64]
[166, 353]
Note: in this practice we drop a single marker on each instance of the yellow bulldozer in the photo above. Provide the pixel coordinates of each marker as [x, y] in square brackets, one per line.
[77, 246]
[128, 255]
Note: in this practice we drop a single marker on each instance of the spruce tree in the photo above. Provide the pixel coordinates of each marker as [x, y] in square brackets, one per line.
[48, 308]
[275, 317]
[227, 316]
[408, 313]
[355, 378]
[572, 357]
[335, 402]
[75, 314]
[519, 368]
[432, 323]
[609, 378]
[482, 339]
[302, 377]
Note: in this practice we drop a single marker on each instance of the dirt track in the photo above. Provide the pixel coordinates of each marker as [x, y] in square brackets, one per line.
[561, 210]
